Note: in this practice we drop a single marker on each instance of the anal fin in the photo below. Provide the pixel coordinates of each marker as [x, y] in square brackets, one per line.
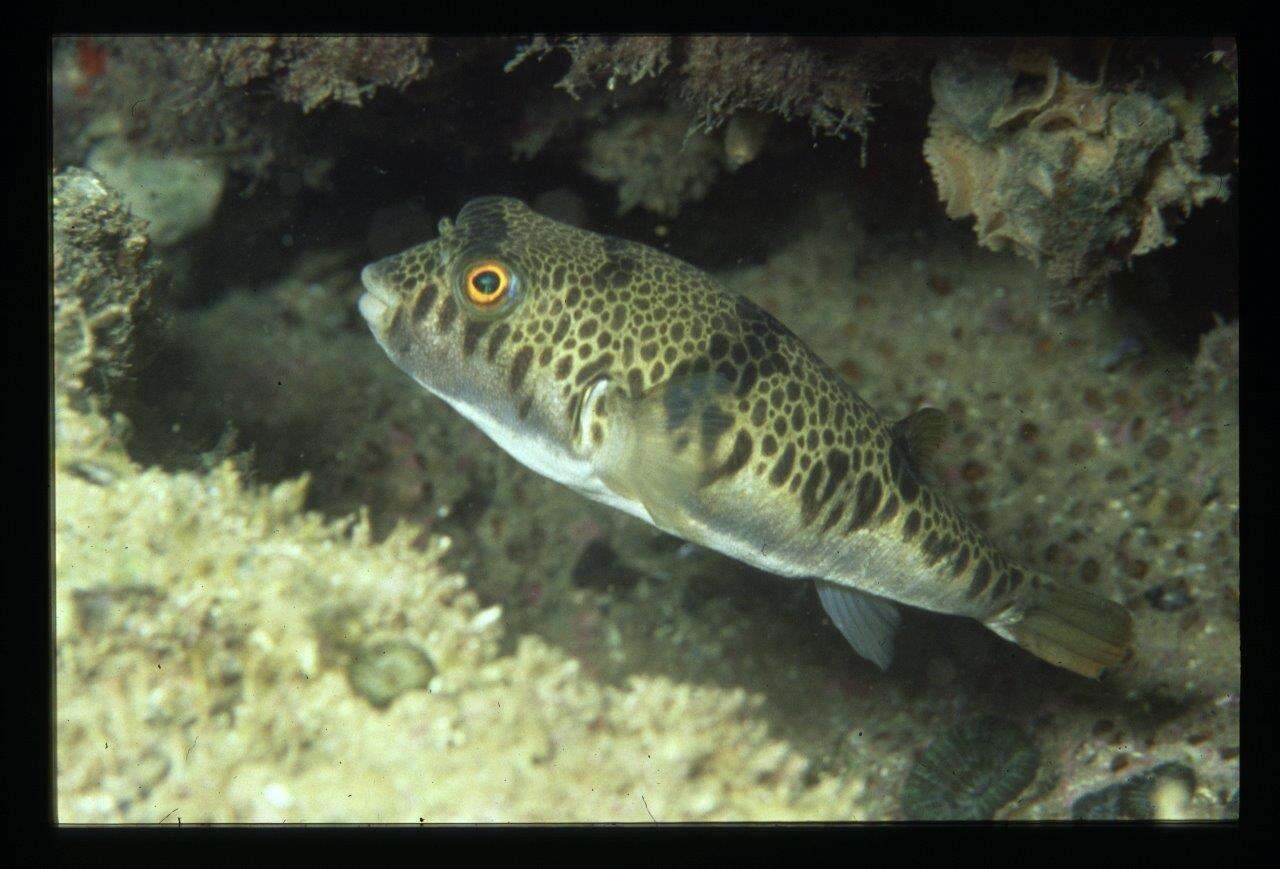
[868, 622]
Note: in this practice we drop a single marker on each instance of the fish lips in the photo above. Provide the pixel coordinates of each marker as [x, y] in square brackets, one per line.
[425, 355]
[377, 299]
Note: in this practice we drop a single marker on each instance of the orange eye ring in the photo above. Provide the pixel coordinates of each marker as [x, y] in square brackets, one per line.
[487, 283]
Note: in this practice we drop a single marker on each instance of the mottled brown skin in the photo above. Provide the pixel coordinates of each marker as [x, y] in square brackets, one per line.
[792, 459]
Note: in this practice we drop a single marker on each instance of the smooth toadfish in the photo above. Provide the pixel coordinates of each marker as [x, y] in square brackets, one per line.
[644, 384]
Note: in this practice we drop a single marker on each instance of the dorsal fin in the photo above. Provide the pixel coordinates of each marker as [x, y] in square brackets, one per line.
[922, 432]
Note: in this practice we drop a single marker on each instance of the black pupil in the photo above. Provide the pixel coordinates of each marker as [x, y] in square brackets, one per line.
[487, 282]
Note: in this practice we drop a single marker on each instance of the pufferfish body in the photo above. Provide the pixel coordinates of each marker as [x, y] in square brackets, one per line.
[644, 384]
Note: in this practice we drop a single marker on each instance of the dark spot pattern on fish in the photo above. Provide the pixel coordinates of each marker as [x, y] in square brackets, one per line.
[889, 510]
[715, 423]
[519, 368]
[448, 312]
[903, 476]
[837, 470]
[911, 526]
[499, 334]
[471, 335]
[782, 467]
[421, 303]
[808, 493]
[866, 500]
[738, 458]
[833, 516]
[596, 366]
[937, 546]
[981, 578]
[1002, 582]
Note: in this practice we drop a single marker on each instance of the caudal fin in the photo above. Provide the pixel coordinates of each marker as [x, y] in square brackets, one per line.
[1075, 629]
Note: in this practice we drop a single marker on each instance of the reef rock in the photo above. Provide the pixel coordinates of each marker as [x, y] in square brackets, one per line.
[103, 278]
[655, 160]
[1069, 174]
[175, 193]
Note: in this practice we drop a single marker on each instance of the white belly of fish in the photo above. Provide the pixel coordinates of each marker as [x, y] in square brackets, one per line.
[537, 455]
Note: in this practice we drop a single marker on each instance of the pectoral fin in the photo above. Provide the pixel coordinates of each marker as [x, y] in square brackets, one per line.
[867, 622]
[663, 444]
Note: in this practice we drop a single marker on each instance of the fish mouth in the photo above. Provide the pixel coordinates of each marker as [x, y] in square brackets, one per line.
[376, 299]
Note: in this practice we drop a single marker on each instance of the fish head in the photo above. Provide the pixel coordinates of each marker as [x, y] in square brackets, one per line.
[481, 316]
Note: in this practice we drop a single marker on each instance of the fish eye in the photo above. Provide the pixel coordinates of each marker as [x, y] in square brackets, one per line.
[487, 283]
